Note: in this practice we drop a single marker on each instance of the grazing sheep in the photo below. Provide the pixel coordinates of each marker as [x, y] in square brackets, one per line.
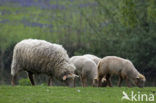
[39, 56]
[93, 57]
[85, 68]
[112, 65]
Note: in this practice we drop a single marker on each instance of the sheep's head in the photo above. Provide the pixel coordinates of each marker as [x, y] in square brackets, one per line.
[69, 79]
[68, 75]
[140, 80]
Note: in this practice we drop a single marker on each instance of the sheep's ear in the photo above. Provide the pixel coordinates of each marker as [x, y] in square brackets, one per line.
[70, 76]
[76, 76]
[73, 76]
[64, 77]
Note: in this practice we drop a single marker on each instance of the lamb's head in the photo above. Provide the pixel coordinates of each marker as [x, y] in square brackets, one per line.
[69, 76]
[103, 82]
[140, 80]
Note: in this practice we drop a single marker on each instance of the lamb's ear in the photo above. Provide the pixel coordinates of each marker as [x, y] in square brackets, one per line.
[103, 79]
[64, 77]
[138, 77]
[95, 79]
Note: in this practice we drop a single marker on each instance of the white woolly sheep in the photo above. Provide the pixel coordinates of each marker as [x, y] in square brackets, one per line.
[85, 68]
[112, 65]
[39, 56]
[93, 57]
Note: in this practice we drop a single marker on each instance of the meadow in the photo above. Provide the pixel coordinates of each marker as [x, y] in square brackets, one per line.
[59, 94]
[124, 28]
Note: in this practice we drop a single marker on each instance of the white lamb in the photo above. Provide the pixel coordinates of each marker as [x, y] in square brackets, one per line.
[85, 68]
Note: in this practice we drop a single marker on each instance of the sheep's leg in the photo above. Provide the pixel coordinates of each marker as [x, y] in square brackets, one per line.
[50, 81]
[108, 78]
[74, 82]
[120, 81]
[13, 80]
[30, 75]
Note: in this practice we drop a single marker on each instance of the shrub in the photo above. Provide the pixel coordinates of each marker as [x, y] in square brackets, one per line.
[44, 84]
[24, 82]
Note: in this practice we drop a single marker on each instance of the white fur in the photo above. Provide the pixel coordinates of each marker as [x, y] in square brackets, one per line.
[85, 67]
[93, 57]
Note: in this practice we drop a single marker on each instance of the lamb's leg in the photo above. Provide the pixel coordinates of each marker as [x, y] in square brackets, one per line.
[99, 81]
[84, 81]
[30, 75]
[127, 82]
[120, 81]
[108, 78]
[50, 81]
[109, 82]
[81, 79]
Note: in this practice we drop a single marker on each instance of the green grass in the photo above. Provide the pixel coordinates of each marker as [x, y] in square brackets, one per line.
[45, 94]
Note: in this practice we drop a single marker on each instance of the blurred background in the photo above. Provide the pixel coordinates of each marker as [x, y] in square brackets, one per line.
[125, 28]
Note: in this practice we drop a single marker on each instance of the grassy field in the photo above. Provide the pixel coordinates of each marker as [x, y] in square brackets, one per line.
[44, 94]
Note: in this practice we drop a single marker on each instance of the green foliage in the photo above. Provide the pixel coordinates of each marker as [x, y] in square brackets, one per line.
[152, 10]
[44, 84]
[24, 82]
[127, 13]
